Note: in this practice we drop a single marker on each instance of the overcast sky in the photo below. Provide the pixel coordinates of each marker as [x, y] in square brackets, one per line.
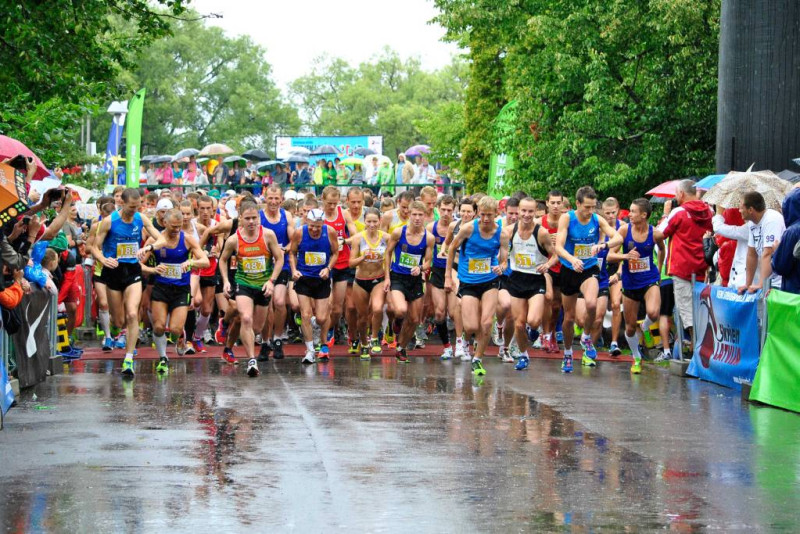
[296, 32]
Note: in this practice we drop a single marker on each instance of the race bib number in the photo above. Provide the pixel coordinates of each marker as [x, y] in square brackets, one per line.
[315, 259]
[441, 253]
[410, 260]
[479, 265]
[582, 251]
[375, 255]
[642, 265]
[127, 251]
[174, 271]
[254, 265]
[524, 260]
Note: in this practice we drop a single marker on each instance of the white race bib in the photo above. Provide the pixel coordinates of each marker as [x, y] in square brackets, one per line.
[410, 260]
[254, 265]
[174, 271]
[315, 259]
[642, 265]
[479, 265]
[127, 251]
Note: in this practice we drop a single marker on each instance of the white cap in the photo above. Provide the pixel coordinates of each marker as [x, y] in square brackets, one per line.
[290, 194]
[316, 215]
[164, 204]
[230, 193]
[230, 207]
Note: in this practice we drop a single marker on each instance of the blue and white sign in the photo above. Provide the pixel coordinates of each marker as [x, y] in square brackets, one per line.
[345, 143]
[728, 346]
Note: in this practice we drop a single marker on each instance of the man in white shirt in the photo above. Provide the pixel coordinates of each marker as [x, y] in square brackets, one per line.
[766, 229]
[425, 173]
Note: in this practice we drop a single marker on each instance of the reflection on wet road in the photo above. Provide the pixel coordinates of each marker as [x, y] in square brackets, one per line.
[380, 447]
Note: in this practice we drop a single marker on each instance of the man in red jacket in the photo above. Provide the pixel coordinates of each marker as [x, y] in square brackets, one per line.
[685, 227]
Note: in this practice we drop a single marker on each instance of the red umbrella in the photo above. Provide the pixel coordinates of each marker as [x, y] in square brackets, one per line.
[11, 148]
[665, 190]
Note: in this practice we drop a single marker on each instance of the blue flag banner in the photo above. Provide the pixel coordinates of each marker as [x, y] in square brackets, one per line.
[728, 345]
[112, 148]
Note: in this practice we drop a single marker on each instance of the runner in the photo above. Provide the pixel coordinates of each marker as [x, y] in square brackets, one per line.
[105, 206]
[116, 246]
[438, 230]
[204, 301]
[355, 208]
[394, 219]
[368, 255]
[282, 224]
[259, 262]
[552, 308]
[640, 276]
[481, 263]
[577, 246]
[408, 255]
[466, 210]
[341, 275]
[611, 214]
[504, 335]
[192, 228]
[176, 254]
[531, 256]
[312, 256]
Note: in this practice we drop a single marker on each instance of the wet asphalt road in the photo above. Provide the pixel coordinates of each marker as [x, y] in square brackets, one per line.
[381, 447]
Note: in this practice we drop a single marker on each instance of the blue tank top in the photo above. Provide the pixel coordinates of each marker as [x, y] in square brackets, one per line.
[173, 258]
[313, 255]
[638, 274]
[478, 256]
[123, 239]
[602, 280]
[438, 262]
[580, 238]
[406, 255]
[281, 231]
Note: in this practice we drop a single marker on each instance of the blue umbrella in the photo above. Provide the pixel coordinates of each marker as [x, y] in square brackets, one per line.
[710, 181]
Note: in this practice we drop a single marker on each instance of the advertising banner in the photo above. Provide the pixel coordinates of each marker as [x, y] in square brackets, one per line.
[778, 376]
[32, 341]
[133, 137]
[726, 325]
[345, 143]
[502, 158]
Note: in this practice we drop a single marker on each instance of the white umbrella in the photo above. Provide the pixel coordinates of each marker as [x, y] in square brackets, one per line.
[299, 151]
[216, 149]
[728, 193]
[45, 185]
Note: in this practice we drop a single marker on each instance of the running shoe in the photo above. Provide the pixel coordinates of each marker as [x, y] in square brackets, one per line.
[208, 337]
[586, 361]
[559, 336]
[389, 340]
[614, 349]
[420, 333]
[497, 334]
[636, 368]
[538, 343]
[221, 335]
[566, 365]
[447, 354]
[163, 366]
[513, 349]
[127, 367]
[309, 358]
[461, 353]
[143, 336]
[331, 339]
[263, 353]
[588, 348]
[505, 357]
[180, 345]
[353, 348]
[324, 353]
[228, 356]
[252, 368]
[190, 348]
[121, 342]
[477, 367]
[277, 349]
[375, 348]
[663, 357]
[548, 345]
[401, 356]
[419, 343]
[108, 345]
[199, 345]
[522, 363]
[533, 334]
[365, 355]
[258, 340]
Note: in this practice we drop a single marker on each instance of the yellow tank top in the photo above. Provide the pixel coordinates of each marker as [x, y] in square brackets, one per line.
[396, 222]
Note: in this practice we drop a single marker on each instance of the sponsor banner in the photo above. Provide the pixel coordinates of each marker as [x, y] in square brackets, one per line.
[345, 143]
[728, 345]
[778, 376]
[133, 137]
[6, 393]
[32, 341]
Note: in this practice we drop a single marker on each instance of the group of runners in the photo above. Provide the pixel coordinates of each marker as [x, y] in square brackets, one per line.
[382, 268]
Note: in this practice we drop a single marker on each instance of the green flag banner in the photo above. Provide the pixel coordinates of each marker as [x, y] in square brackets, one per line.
[133, 137]
[778, 373]
[499, 164]
[502, 159]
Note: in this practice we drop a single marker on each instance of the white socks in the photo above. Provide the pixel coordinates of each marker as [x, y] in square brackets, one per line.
[161, 344]
[105, 322]
[202, 325]
[633, 343]
[646, 323]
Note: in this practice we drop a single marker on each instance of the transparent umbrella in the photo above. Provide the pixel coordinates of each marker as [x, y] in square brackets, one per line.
[728, 193]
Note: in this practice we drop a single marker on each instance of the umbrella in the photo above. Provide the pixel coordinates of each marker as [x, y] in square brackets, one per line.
[11, 148]
[325, 149]
[789, 176]
[352, 161]
[161, 159]
[728, 193]
[417, 150]
[85, 194]
[709, 181]
[361, 151]
[299, 151]
[147, 159]
[256, 155]
[215, 149]
[666, 190]
[186, 153]
[45, 185]
[201, 160]
[12, 191]
[231, 159]
[267, 164]
[296, 158]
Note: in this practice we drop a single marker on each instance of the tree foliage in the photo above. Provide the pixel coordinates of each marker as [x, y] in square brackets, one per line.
[618, 94]
[204, 86]
[60, 59]
[387, 96]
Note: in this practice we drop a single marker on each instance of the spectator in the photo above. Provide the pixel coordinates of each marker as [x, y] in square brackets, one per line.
[401, 163]
[685, 227]
[303, 175]
[766, 230]
[425, 174]
[232, 179]
[386, 177]
[785, 260]
[409, 171]
[732, 235]
[280, 176]
[191, 173]
[329, 174]
[357, 178]
[371, 171]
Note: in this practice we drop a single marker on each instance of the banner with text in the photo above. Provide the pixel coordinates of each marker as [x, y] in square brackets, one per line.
[345, 144]
[727, 347]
